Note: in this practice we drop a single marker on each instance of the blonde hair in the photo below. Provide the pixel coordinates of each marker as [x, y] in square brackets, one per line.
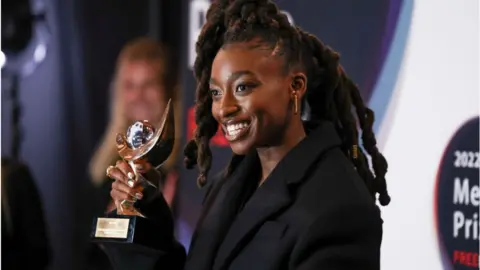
[141, 49]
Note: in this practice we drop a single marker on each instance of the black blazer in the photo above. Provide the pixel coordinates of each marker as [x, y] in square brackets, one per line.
[313, 212]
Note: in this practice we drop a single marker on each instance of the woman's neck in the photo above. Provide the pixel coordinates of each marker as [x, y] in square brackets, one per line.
[271, 156]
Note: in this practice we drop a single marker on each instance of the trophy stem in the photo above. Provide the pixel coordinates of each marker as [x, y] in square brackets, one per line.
[127, 208]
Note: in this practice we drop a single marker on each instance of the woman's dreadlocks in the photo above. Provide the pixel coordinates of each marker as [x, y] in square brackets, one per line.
[331, 94]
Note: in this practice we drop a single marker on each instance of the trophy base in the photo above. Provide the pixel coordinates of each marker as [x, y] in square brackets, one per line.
[132, 231]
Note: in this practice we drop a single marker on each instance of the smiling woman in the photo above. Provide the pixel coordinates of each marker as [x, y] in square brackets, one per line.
[296, 195]
[248, 101]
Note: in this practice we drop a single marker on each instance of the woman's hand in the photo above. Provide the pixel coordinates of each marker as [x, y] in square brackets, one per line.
[125, 187]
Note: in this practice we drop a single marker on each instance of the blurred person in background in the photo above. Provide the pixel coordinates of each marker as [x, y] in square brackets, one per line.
[25, 242]
[141, 88]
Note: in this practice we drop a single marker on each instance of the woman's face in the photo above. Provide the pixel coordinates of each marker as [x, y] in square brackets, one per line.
[142, 92]
[252, 96]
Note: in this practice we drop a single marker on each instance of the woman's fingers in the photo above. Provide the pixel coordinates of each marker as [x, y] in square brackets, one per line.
[125, 168]
[116, 174]
[127, 191]
[122, 172]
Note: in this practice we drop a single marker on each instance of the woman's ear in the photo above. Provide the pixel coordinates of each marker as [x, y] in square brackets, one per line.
[298, 87]
[298, 84]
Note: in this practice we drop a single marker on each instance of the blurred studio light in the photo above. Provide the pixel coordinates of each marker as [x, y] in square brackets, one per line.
[3, 59]
[25, 36]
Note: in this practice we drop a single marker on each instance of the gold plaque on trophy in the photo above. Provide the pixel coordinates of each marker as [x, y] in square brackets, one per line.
[112, 227]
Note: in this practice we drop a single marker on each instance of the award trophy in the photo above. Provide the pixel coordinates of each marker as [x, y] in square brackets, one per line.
[129, 225]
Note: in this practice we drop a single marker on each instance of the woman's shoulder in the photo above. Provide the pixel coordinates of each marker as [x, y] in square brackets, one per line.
[336, 174]
[333, 184]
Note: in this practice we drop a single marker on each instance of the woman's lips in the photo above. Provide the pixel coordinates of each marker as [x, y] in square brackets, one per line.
[236, 130]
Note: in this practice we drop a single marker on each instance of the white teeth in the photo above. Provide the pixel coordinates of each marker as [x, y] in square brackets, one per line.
[234, 129]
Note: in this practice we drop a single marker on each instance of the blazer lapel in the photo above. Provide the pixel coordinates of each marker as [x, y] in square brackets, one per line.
[219, 213]
[269, 199]
[275, 194]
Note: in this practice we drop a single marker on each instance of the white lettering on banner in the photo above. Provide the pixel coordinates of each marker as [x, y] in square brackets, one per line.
[475, 196]
[470, 226]
[197, 15]
[458, 221]
[467, 159]
[463, 194]
[460, 191]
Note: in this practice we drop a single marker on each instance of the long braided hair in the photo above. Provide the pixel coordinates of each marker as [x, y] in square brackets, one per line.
[331, 94]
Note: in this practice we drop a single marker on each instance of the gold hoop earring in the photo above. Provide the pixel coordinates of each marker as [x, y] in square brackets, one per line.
[295, 103]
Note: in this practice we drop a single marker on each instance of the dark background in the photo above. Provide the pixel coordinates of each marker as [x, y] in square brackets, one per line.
[65, 105]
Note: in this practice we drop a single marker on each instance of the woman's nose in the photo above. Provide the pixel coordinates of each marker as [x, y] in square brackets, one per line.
[228, 107]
